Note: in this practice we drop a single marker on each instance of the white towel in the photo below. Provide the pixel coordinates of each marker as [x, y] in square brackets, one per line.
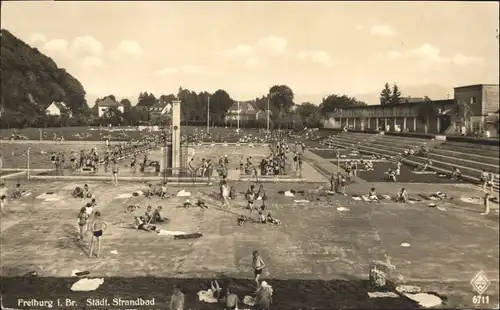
[301, 201]
[86, 285]
[405, 245]
[207, 296]
[183, 193]
[383, 295]
[356, 198]
[123, 196]
[425, 300]
[342, 209]
[170, 233]
[289, 194]
[412, 289]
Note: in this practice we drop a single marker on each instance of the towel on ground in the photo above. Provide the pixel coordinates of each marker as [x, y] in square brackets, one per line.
[183, 193]
[382, 295]
[86, 285]
[207, 296]
[301, 201]
[162, 232]
[425, 300]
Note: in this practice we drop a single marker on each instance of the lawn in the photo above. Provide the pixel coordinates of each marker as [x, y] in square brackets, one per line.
[319, 257]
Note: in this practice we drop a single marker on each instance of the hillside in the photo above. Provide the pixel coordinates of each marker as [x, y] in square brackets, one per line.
[31, 80]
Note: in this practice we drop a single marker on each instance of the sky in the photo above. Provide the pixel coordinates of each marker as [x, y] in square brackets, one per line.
[316, 48]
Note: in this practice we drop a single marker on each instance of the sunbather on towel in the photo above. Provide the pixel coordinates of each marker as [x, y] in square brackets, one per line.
[131, 208]
[272, 220]
[141, 223]
[402, 196]
[201, 204]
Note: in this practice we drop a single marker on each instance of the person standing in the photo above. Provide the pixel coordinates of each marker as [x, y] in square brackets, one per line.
[177, 299]
[258, 266]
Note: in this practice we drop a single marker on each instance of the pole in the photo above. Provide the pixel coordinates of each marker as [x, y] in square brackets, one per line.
[28, 164]
[208, 115]
[40, 130]
[338, 161]
[238, 119]
[267, 114]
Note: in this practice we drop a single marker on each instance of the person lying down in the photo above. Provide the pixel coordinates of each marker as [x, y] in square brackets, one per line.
[84, 192]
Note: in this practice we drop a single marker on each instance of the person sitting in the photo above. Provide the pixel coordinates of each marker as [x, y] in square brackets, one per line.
[406, 152]
[142, 224]
[425, 166]
[187, 204]
[369, 165]
[391, 174]
[272, 220]
[78, 192]
[411, 152]
[456, 174]
[423, 150]
[241, 220]
[86, 191]
[148, 215]
[150, 191]
[402, 196]
[232, 192]
[372, 194]
[157, 218]
[18, 192]
[164, 191]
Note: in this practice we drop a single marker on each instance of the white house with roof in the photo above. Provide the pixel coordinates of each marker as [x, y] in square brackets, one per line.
[104, 105]
[57, 108]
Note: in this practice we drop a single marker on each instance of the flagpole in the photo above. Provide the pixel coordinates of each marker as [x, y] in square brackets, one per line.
[238, 118]
[267, 114]
[208, 115]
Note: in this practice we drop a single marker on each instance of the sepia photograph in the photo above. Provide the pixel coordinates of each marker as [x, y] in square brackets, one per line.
[182, 155]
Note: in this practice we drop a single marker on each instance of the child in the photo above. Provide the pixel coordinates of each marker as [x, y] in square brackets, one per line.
[250, 197]
[164, 191]
[114, 172]
[17, 193]
[391, 175]
[232, 192]
[489, 182]
[157, 218]
[258, 266]
[402, 196]
[82, 222]
[149, 191]
[86, 191]
[372, 195]
[486, 203]
[225, 194]
[272, 220]
[456, 174]
[261, 193]
[398, 168]
[148, 215]
[98, 227]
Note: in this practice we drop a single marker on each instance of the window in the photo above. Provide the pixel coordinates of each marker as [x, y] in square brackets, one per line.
[473, 100]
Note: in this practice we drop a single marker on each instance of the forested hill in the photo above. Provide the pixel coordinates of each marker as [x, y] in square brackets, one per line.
[31, 81]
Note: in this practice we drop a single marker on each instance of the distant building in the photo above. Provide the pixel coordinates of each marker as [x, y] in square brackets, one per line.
[481, 101]
[104, 105]
[245, 111]
[160, 111]
[412, 99]
[56, 109]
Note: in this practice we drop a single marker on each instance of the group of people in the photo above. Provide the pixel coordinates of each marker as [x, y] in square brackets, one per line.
[17, 193]
[90, 222]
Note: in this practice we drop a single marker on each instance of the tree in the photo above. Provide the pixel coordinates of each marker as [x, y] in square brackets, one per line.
[426, 110]
[385, 95]
[281, 98]
[127, 105]
[334, 102]
[396, 95]
[220, 102]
